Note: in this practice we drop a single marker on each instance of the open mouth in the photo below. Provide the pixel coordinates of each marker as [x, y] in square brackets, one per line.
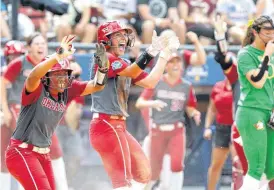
[122, 46]
[40, 52]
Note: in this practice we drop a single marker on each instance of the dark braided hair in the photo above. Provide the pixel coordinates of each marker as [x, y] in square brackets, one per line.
[257, 25]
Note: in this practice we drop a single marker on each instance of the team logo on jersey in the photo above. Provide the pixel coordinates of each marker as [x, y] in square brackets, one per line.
[259, 125]
[52, 105]
[116, 65]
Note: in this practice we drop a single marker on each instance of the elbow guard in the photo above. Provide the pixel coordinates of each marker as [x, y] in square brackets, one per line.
[264, 67]
[220, 58]
[143, 60]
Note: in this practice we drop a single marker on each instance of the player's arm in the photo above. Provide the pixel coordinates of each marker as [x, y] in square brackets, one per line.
[165, 44]
[258, 76]
[210, 114]
[199, 56]
[146, 101]
[40, 70]
[191, 108]
[101, 64]
[9, 76]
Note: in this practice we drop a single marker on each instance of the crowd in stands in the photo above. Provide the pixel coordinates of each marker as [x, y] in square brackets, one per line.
[83, 16]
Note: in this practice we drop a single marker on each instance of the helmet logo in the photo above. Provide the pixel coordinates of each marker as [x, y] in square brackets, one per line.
[63, 63]
[106, 30]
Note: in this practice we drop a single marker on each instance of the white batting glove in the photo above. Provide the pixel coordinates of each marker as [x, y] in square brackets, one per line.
[173, 45]
[158, 44]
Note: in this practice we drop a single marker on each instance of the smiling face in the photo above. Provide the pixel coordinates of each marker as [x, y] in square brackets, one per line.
[174, 67]
[119, 42]
[59, 80]
[38, 49]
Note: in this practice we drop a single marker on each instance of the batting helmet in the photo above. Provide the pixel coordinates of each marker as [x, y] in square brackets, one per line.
[109, 28]
[14, 48]
[63, 65]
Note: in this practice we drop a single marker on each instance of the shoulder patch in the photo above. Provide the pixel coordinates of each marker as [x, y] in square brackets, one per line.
[116, 65]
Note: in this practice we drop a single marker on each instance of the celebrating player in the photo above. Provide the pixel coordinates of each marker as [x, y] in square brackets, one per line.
[47, 90]
[123, 158]
[12, 50]
[170, 99]
[13, 80]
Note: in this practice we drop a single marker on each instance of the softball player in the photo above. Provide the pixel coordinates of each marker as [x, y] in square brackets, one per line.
[255, 64]
[47, 90]
[12, 50]
[171, 98]
[122, 156]
[14, 77]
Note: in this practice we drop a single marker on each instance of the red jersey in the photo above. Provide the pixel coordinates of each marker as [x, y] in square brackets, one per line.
[223, 100]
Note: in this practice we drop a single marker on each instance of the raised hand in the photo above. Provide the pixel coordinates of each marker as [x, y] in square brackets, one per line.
[220, 27]
[172, 46]
[101, 58]
[158, 43]
[66, 48]
[192, 37]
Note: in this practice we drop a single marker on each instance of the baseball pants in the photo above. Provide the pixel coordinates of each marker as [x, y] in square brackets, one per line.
[167, 142]
[258, 141]
[121, 154]
[6, 133]
[33, 170]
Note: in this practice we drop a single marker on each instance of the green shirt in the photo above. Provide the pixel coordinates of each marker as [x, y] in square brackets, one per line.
[250, 58]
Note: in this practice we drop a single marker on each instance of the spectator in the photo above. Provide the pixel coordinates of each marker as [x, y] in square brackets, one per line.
[265, 7]
[159, 15]
[5, 31]
[198, 15]
[122, 11]
[236, 13]
[79, 21]
[37, 17]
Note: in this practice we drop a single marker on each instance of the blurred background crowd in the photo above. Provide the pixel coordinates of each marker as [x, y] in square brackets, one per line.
[191, 20]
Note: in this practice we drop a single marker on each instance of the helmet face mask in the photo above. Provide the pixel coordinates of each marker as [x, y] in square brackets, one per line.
[59, 77]
[59, 80]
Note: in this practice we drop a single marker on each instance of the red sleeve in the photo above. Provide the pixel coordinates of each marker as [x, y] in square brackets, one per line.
[140, 77]
[232, 75]
[76, 89]
[186, 56]
[80, 100]
[29, 98]
[116, 65]
[147, 94]
[13, 70]
[192, 100]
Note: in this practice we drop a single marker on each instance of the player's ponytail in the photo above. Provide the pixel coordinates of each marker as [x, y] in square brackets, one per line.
[249, 38]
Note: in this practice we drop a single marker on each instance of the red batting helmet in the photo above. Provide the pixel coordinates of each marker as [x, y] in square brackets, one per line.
[14, 47]
[111, 27]
[62, 65]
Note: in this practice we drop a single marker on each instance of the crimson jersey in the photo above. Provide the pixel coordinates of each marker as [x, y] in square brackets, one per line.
[177, 97]
[17, 72]
[223, 101]
[113, 98]
[41, 113]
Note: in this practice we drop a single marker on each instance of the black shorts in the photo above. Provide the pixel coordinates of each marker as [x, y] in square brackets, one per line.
[222, 136]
